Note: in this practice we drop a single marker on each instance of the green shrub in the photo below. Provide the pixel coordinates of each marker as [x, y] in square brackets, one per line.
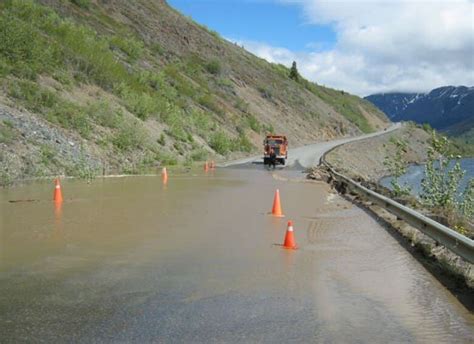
[265, 92]
[441, 183]
[242, 144]
[268, 129]
[82, 168]
[104, 115]
[176, 79]
[199, 154]
[220, 142]
[141, 104]
[87, 53]
[208, 101]
[254, 123]
[129, 45]
[397, 166]
[347, 105]
[168, 159]
[82, 3]
[176, 125]
[130, 136]
[5, 68]
[36, 39]
[9, 168]
[225, 83]
[162, 140]
[56, 110]
[47, 155]
[242, 105]
[8, 134]
[427, 127]
[22, 46]
[201, 121]
[157, 49]
[31, 96]
[214, 67]
[70, 116]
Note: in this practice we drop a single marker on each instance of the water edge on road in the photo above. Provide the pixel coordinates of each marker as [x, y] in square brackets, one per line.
[129, 260]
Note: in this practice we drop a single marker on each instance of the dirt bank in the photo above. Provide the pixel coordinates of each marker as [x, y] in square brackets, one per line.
[364, 160]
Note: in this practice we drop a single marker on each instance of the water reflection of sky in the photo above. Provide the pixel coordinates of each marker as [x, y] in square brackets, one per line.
[416, 173]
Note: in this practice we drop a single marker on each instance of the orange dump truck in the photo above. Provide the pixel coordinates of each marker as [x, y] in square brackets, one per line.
[279, 145]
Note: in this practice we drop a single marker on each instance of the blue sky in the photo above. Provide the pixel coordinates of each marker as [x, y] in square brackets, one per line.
[275, 23]
[360, 46]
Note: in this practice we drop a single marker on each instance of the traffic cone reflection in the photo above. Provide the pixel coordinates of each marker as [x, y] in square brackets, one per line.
[206, 166]
[58, 196]
[276, 209]
[57, 234]
[164, 175]
[58, 206]
[290, 237]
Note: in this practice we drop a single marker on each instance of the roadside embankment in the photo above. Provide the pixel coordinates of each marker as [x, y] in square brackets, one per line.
[363, 161]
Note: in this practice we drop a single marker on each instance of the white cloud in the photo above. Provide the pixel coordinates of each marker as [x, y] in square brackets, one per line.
[386, 45]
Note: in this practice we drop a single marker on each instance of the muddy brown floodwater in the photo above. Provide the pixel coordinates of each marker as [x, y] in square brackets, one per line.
[128, 260]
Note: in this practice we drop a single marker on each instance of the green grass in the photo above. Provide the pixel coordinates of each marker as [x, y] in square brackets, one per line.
[345, 104]
[55, 109]
[105, 115]
[34, 40]
[209, 102]
[31, 95]
[221, 143]
[47, 155]
[131, 46]
[199, 154]
[130, 136]
[82, 3]
[214, 67]
[8, 134]
[254, 124]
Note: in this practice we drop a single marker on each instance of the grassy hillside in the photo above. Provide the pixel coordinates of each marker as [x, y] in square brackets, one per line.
[91, 87]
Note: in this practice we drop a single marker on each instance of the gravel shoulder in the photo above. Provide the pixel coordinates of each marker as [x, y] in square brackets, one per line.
[364, 159]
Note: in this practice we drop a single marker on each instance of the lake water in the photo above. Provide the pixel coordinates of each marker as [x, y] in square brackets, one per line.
[416, 173]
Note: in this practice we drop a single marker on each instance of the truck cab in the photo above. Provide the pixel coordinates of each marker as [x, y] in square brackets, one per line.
[279, 145]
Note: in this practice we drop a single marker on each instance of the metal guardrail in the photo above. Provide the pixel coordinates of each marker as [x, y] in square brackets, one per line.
[457, 243]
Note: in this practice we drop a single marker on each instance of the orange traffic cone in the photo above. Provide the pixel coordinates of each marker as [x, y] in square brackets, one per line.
[164, 175]
[290, 237]
[206, 166]
[276, 210]
[58, 196]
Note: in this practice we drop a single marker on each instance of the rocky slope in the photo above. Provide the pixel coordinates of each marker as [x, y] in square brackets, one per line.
[88, 87]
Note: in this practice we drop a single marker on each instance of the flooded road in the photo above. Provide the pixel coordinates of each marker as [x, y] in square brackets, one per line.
[129, 260]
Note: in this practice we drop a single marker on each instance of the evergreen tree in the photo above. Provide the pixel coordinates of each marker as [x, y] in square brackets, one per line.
[294, 72]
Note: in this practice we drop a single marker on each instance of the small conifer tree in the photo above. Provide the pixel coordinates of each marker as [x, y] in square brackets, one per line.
[294, 72]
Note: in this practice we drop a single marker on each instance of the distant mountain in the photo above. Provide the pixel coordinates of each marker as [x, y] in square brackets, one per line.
[449, 108]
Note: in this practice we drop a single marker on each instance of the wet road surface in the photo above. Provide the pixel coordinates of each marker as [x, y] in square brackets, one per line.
[129, 260]
[309, 155]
